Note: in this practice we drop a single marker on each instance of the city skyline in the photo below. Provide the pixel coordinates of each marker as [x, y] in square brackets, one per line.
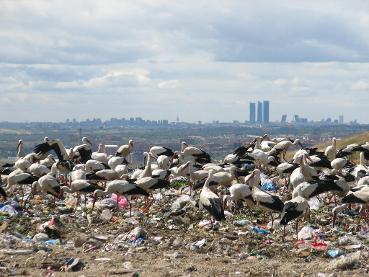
[145, 58]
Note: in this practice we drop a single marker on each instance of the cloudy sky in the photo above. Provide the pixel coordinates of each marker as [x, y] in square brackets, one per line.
[200, 60]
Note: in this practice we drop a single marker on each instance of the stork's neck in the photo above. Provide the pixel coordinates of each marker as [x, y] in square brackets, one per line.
[362, 159]
[62, 150]
[257, 145]
[54, 170]
[99, 193]
[66, 189]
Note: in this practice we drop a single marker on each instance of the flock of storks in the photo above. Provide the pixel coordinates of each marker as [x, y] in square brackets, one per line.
[227, 184]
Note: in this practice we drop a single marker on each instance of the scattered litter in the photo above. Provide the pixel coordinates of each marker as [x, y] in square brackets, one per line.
[305, 233]
[260, 231]
[346, 262]
[334, 253]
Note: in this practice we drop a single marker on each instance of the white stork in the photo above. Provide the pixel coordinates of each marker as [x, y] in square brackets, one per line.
[210, 201]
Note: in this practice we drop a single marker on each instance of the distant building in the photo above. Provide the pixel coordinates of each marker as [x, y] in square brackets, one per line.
[259, 118]
[266, 112]
[252, 112]
[284, 118]
[340, 120]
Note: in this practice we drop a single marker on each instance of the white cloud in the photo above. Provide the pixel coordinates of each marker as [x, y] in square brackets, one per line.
[170, 84]
[123, 78]
[360, 85]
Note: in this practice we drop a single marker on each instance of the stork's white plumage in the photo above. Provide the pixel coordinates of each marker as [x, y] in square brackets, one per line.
[125, 150]
[254, 178]
[363, 181]
[100, 155]
[214, 167]
[23, 164]
[302, 173]
[339, 163]
[260, 157]
[361, 166]
[182, 170]
[283, 146]
[146, 172]
[157, 151]
[149, 183]
[19, 177]
[331, 150]
[47, 184]
[115, 161]
[79, 174]
[93, 166]
[240, 192]
[224, 178]
[38, 169]
[108, 174]
[164, 162]
[48, 161]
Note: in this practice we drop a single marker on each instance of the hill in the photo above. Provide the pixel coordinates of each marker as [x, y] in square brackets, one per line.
[341, 142]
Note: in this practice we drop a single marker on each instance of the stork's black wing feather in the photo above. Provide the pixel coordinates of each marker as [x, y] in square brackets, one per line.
[289, 213]
[56, 148]
[325, 186]
[323, 162]
[215, 209]
[85, 154]
[42, 148]
[168, 152]
[3, 193]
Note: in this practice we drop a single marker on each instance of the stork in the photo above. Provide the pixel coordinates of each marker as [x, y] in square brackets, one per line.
[120, 187]
[293, 209]
[125, 150]
[211, 202]
[20, 149]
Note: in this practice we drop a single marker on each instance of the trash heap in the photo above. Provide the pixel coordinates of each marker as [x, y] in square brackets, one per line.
[62, 237]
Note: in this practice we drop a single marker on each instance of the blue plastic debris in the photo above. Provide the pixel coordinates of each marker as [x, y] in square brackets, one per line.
[334, 253]
[241, 222]
[260, 231]
[269, 186]
[9, 209]
[53, 241]
[138, 241]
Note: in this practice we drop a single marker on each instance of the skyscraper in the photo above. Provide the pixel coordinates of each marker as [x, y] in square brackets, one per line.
[260, 113]
[340, 121]
[266, 112]
[252, 112]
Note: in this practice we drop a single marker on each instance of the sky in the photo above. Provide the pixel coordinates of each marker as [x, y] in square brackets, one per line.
[199, 60]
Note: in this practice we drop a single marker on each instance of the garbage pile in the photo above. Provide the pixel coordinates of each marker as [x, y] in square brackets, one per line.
[88, 209]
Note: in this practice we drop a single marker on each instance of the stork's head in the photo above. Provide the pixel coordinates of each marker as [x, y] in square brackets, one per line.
[86, 141]
[256, 172]
[20, 142]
